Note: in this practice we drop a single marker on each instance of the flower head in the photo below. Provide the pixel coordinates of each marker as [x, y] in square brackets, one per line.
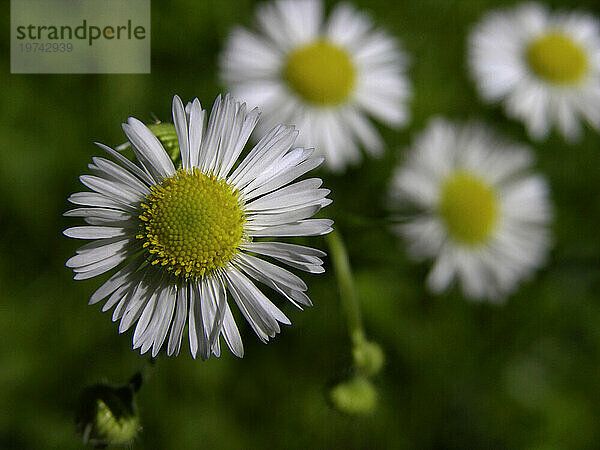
[323, 76]
[481, 216]
[188, 236]
[544, 67]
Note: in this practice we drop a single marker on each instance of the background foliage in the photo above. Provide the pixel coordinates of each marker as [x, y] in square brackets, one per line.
[458, 374]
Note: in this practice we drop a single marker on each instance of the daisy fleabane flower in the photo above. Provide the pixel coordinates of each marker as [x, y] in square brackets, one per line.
[188, 236]
[325, 77]
[544, 66]
[472, 206]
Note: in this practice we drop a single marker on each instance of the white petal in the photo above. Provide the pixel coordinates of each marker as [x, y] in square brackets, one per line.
[148, 149]
[276, 273]
[310, 227]
[95, 232]
[112, 247]
[100, 201]
[139, 172]
[176, 334]
[114, 282]
[181, 128]
[117, 191]
[121, 175]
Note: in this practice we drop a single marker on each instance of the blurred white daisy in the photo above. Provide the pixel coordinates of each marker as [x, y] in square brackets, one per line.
[544, 67]
[479, 214]
[323, 77]
[190, 235]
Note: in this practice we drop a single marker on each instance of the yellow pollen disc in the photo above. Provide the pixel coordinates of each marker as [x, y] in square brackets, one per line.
[468, 207]
[556, 58]
[320, 73]
[192, 223]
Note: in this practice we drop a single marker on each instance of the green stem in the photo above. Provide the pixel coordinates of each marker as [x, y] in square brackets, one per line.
[348, 295]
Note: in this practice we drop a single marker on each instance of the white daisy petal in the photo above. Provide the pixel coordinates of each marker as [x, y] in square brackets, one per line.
[164, 323]
[276, 273]
[196, 131]
[195, 327]
[297, 194]
[233, 151]
[150, 309]
[216, 123]
[115, 281]
[265, 314]
[136, 303]
[181, 128]
[100, 201]
[232, 334]
[110, 248]
[176, 334]
[262, 220]
[248, 312]
[294, 296]
[102, 213]
[148, 149]
[297, 256]
[123, 296]
[284, 178]
[220, 297]
[110, 189]
[99, 267]
[265, 153]
[135, 170]
[94, 232]
[310, 227]
[116, 297]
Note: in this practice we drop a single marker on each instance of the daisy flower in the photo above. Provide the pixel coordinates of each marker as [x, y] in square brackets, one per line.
[479, 214]
[187, 236]
[543, 66]
[323, 77]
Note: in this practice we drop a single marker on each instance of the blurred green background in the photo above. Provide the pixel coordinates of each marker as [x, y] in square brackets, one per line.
[458, 374]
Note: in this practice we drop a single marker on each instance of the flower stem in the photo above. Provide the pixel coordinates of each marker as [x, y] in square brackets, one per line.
[348, 295]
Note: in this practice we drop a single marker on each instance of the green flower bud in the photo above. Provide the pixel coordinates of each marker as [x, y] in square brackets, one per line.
[166, 134]
[368, 357]
[357, 396]
[107, 415]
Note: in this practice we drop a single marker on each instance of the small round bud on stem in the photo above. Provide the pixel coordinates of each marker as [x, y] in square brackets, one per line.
[368, 356]
[356, 396]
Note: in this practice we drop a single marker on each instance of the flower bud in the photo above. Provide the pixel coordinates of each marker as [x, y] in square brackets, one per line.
[356, 396]
[166, 134]
[107, 415]
[368, 357]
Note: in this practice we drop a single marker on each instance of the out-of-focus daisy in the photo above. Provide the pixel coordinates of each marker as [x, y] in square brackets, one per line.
[480, 215]
[323, 77]
[544, 66]
[190, 235]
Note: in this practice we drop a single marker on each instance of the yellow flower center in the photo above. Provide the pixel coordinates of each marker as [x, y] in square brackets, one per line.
[192, 223]
[556, 58]
[468, 207]
[320, 73]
